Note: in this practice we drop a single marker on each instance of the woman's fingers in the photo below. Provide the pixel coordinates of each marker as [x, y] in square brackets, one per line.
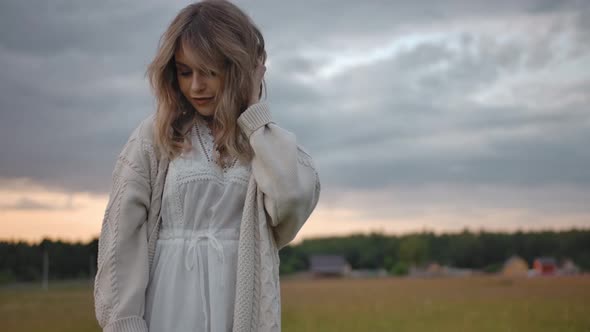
[257, 83]
[260, 70]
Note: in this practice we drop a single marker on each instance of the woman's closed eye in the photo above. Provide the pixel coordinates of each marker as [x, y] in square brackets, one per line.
[202, 72]
[208, 73]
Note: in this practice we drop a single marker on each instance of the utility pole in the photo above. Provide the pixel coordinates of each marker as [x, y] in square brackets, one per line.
[45, 268]
[92, 270]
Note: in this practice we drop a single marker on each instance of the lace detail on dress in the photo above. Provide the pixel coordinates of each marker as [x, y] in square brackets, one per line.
[190, 169]
[205, 137]
[198, 166]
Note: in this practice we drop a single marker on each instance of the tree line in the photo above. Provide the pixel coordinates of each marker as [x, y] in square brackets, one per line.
[487, 251]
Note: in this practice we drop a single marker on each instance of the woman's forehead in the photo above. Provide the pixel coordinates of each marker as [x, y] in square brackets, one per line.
[188, 56]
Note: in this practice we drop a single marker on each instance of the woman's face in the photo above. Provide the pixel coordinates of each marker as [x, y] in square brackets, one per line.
[198, 86]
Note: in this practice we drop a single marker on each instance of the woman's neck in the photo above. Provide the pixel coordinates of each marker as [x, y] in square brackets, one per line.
[208, 121]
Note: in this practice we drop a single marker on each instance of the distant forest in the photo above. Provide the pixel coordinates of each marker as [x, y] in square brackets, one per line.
[487, 251]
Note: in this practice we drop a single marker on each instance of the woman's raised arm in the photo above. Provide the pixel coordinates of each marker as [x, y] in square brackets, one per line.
[284, 172]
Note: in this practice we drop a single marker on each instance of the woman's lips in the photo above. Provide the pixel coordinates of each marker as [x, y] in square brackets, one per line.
[202, 101]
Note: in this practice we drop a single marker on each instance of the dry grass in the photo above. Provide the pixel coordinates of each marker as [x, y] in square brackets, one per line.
[474, 304]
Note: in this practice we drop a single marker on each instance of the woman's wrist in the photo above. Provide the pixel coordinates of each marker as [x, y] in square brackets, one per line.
[254, 117]
[255, 98]
[257, 78]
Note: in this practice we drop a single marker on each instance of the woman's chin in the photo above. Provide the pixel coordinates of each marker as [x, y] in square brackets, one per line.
[205, 111]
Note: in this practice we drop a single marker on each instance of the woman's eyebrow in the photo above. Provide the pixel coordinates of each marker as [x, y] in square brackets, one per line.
[178, 63]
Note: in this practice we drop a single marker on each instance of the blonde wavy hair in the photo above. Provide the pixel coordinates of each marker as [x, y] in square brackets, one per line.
[227, 41]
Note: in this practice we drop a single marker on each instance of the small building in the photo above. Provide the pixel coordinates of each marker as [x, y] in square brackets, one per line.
[515, 266]
[329, 266]
[429, 269]
[569, 268]
[545, 266]
[435, 269]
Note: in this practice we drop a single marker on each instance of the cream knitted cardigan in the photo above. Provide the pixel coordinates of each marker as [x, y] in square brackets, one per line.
[282, 192]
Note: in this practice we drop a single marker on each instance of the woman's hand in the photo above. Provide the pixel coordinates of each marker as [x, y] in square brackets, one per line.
[257, 84]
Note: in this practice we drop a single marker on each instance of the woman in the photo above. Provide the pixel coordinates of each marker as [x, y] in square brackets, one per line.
[205, 192]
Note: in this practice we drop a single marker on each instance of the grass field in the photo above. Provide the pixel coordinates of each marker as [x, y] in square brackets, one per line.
[557, 304]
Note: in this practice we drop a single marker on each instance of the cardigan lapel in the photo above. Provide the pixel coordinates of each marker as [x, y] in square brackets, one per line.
[257, 306]
[248, 279]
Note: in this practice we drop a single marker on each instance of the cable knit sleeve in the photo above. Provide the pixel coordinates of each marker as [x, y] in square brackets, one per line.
[123, 272]
[284, 172]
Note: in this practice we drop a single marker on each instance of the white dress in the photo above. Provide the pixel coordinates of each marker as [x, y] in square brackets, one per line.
[193, 276]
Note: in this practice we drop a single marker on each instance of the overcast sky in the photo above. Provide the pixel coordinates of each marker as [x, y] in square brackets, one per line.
[441, 115]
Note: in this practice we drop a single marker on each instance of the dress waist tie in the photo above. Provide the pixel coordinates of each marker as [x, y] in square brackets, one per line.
[191, 256]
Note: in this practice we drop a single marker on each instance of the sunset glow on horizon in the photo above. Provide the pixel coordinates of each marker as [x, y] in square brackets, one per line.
[37, 213]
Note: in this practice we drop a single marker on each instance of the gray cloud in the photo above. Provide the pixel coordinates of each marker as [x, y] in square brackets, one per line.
[383, 93]
[28, 204]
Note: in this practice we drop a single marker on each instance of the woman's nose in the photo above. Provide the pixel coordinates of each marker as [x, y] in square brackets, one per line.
[198, 82]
